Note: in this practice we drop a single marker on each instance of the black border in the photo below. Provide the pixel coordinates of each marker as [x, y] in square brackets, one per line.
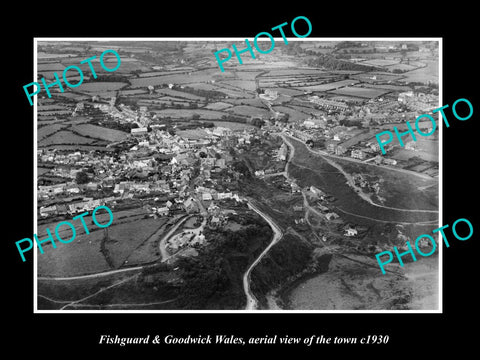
[410, 334]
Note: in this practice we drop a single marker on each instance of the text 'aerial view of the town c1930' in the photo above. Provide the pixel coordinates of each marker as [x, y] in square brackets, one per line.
[261, 187]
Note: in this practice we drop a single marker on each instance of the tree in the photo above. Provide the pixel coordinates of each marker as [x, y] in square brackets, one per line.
[81, 177]
[258, 122]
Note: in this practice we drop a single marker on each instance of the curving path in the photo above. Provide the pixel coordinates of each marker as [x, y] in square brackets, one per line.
[349, 178]
[252, 301]
[105, 273]
[161, 243]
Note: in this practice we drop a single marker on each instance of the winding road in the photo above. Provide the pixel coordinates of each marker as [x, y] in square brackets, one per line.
[161, 243]
[350, 178]
[105, 273]
[252, 301]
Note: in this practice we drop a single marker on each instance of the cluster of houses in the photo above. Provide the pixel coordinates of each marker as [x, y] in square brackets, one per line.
[158, 163]
[360, 180]
[183, 240]
[85, 204]
[356, 142]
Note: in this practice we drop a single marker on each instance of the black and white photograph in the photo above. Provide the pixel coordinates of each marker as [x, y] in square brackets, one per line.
[300, 181]
[260, 187]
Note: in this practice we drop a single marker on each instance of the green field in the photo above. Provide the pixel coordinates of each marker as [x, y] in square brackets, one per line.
[288, 91]
[244, 110]
[217, 106]
[124, 238]
[403, 67]
[295, 115]
[52, 66]
[99, 132]
[425, 74]
[360, 92]
[132, 92]
[329, 86]
[199, 76]
[248, 85]
[380, 62]
[232, 125]
[81, 256]
[296, 71]
[64, 137]
[98, 86]
[378, 76]
[48, 130]
[188, 113]
[178, 94]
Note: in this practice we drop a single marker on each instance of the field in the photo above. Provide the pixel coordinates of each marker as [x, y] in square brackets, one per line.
[41, 171]
[74, 289]
[98, 147]
[248, 85]
[217, 106]
[54, 113]
[56, 66]
[424, 75]
[244, 110]
[46, 131]
[50, 107]
[388, 87]
[44, 55]
[256, 102]
[231, 91]
[427, 147]
[64, 137]
[199, 76]
[74, 96]
[152, 104]
[403, 67]
[377, 77]
[188, 113]
[74, 120]
[360, 92]
[425, 150]
[329, 86]
[288, 91]
[160, 73]
[97, 86]
[178, 94]
[248, 75]
[99, 132]
[295, 115]
[203, 86]
[132, 92]
[305, 109]
[295, 71]
[232, 125]
[350, 285]
[81, 256]
[379, 62]
[124, 238]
